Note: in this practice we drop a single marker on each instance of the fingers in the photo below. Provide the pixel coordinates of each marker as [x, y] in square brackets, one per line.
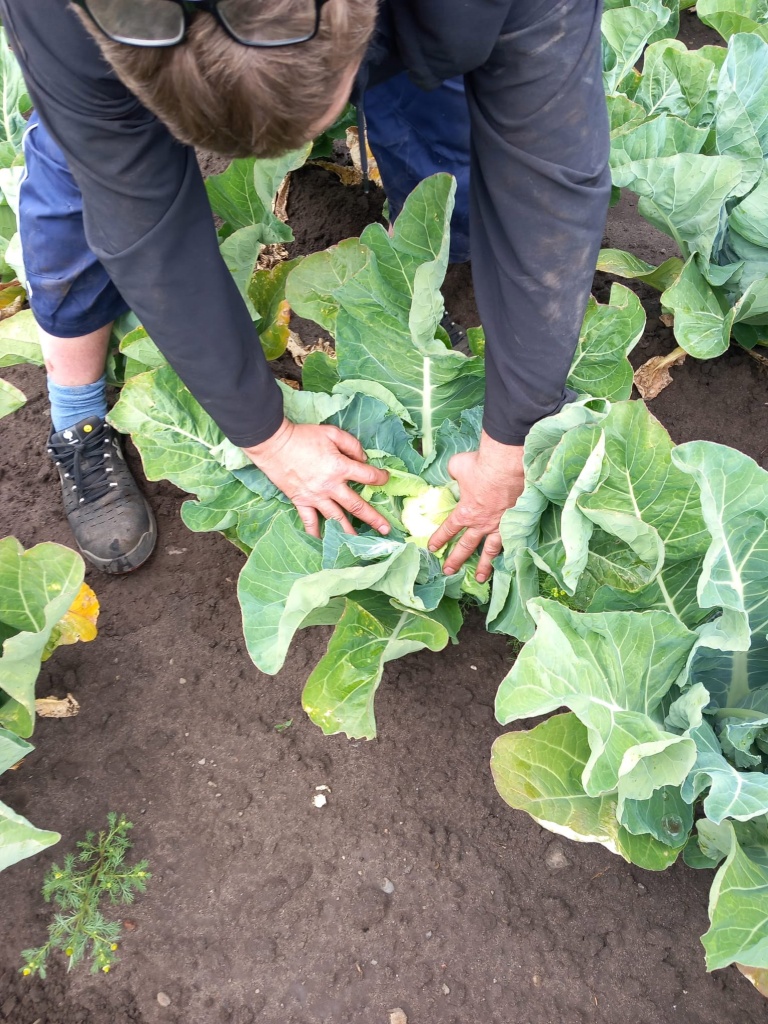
[491, 548]
[330, 510]
[347, 444]
[464, 547]
[354, 504]
[362, 473]
[308, 516]
[445, 532]
[359, 470]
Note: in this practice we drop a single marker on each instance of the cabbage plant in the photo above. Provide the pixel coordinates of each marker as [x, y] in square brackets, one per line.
[396, 385]
[638, 573]
[37, 590]
[689, 137]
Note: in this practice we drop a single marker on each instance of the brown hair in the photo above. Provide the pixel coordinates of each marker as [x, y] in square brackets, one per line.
[215, 93]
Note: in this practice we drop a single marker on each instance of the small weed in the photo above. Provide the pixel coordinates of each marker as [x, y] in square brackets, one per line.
[77, 888]
[282, 726]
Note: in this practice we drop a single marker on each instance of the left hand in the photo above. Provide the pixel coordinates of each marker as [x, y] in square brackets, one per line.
[490, 481]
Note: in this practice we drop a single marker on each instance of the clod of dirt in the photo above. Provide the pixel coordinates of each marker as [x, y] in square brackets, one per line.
[555, 858]
[397, 1016]
[163, 999]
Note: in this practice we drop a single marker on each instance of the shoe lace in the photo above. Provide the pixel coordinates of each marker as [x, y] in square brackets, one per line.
[86, 464]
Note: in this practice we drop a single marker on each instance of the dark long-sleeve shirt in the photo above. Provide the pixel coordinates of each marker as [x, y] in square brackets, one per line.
[539, 190]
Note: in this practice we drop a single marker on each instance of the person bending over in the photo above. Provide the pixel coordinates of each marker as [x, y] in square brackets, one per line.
[114, 215]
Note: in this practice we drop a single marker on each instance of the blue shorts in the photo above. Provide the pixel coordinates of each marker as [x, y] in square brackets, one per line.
[412, 134]
[69, 291]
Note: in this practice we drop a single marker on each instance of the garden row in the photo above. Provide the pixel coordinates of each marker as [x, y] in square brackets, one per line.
[634, 572]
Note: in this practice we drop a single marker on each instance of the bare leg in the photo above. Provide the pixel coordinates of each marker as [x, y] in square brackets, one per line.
[76, 361]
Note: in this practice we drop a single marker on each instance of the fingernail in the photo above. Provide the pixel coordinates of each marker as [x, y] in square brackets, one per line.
[384, 529]
[481, 577]
[432, 547]
[449, 572]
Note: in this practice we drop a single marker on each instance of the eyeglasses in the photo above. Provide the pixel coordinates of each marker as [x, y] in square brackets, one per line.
[166, 22]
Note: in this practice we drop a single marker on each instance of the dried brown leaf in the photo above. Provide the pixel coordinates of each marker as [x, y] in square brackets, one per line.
[758, 976]
[280, 205]
[55, 707]
[353, 144]
[300, 353]
[653, 376]
[667, 319]
[271, 255]
[13, 307]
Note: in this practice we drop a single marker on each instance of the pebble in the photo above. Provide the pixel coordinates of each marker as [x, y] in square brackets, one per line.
[201, 761]
[319, 799]
[641, 889]
[182, 680]
[555, 858]
[387, 886]
[446, 990]
[397, 1016]
[428, 935]
[163, 999]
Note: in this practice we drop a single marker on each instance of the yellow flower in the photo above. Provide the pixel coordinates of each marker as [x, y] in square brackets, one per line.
[69, 951]
[113, 946]
[105, 968]
[27, 971]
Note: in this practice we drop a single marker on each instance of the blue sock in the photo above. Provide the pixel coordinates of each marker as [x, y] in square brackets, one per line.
[70, 404]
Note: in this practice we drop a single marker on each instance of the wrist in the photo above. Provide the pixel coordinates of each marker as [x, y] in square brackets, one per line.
[265, 451]
[496, 451]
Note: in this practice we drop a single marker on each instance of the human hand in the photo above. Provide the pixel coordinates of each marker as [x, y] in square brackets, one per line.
[490, 481]
[311, 464]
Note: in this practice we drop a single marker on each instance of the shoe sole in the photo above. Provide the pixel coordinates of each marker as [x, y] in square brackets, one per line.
[133, 559]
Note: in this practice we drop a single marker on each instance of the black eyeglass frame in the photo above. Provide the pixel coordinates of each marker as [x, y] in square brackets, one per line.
[190, 7]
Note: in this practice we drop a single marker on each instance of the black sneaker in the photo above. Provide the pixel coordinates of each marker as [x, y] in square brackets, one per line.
[456, 334]
[109, 516]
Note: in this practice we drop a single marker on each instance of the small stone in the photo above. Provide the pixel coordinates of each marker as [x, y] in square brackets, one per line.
[446, 990]
[641, 889]
[211, 783]
[182, 680]
[319, 799]
[374, 962]
[163, 999]
[201, 761]
[555, 858]
[397, 1016]
[536, 981]
[387, 886]
[428, 935]
[473, 667]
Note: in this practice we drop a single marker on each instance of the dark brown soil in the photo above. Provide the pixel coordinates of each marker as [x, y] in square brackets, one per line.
[265, 908]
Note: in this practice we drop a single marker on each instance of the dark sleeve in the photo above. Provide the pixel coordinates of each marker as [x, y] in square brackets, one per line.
[539, 190]
[147, 219]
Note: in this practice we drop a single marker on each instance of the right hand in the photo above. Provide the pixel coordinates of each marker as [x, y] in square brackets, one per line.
[311, 464]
